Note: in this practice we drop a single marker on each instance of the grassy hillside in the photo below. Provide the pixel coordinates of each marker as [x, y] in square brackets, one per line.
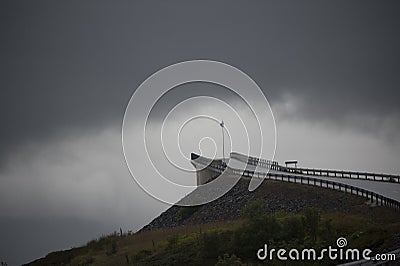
[280, 214]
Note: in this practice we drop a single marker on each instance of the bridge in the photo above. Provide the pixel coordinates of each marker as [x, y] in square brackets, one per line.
[379, 189]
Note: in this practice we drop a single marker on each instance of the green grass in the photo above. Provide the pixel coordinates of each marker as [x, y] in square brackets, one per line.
[236, 241]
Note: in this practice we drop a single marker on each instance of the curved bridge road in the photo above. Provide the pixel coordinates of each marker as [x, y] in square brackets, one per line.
[387, 189]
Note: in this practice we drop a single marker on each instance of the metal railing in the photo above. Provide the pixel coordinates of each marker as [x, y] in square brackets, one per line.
[343, 174]
[370, 195]
[324, 172]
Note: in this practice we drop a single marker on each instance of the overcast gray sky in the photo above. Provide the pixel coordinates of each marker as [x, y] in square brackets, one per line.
[330, 71]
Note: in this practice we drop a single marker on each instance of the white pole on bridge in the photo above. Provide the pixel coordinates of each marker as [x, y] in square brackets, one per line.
[223, 140]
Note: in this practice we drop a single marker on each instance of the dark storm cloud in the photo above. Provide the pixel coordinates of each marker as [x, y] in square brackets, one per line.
[68, 69]
[75, 64]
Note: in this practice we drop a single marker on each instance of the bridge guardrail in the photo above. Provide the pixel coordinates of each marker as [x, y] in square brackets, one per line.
[370, 195]
[343, 174]
[324, 172]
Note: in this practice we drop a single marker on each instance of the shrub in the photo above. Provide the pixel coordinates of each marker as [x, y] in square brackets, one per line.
[172, 241]
[227, 260]
[140, 255]
[312, 218]
[293, 229]
[113, 249]
[255, 233]
[215, 243]
[254, 209]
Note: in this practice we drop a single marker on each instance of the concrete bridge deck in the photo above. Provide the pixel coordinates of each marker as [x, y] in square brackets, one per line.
[387, 189]
[383, 187]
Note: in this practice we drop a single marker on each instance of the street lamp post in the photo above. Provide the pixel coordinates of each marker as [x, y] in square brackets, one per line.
[223, 140]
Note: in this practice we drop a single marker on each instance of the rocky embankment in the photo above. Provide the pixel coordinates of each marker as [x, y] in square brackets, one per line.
[279, 196]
